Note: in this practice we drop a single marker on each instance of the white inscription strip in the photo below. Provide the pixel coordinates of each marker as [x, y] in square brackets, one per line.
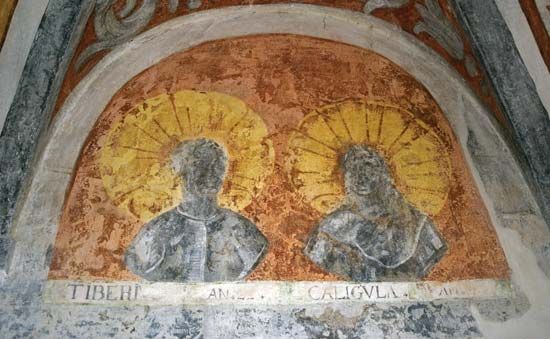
[268, 292]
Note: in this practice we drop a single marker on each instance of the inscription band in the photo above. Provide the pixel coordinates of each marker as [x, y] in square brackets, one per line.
[268, 292]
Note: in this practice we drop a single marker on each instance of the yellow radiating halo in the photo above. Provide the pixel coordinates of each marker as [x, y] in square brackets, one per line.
[418, 159]
[134, 159]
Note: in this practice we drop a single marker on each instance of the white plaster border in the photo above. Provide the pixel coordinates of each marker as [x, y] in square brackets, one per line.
[36, 224]
[15, 51]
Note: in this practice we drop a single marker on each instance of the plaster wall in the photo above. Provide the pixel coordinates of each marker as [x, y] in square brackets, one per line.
[13, 54]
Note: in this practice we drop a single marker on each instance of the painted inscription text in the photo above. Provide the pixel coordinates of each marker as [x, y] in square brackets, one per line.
[106, 292]
[269, 293]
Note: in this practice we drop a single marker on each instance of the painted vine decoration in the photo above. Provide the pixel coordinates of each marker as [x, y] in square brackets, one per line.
[434, 23]
[371, 5]
[114, 28]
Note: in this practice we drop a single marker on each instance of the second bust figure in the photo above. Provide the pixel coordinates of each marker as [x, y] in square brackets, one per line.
[376, 235]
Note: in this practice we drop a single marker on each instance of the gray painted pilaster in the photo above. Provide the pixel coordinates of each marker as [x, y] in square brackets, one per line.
[495, 48]
[30, 113]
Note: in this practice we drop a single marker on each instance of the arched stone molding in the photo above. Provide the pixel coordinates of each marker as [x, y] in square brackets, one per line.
[498, 176]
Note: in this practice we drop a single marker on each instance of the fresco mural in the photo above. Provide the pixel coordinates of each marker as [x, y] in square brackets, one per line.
[375, 233]
[274, 157]
[432, 22]
[196, 240]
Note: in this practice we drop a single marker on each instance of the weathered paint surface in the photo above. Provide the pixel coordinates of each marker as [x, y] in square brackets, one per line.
[129, 293]
[509, 201]
[417, 158]
[406, 17]
[135, 163]
[281, 78]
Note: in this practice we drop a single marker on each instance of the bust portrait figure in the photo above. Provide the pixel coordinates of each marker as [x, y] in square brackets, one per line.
[375, 235]
[197, 240]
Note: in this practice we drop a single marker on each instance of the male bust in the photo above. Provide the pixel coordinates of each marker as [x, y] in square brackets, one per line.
[376, 235]
[198, 240]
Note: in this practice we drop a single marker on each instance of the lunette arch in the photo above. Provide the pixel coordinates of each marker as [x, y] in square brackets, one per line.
[478, 134]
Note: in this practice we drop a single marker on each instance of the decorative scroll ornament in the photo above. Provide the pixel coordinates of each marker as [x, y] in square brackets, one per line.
[114, 28]
[371, 5]
[436, 24]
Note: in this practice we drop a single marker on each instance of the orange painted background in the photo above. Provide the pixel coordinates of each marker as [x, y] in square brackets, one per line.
[282, 78]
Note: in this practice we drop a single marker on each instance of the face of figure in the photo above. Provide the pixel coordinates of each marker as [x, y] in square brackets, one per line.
[364, 171]
[202, 164]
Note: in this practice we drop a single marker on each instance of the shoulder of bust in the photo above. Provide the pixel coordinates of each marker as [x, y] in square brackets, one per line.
[238, 224]
[233, 218]
[338, 220]
[161, 221]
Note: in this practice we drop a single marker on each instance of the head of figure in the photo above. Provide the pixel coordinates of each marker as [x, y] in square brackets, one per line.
[201, 163]
[365, 171]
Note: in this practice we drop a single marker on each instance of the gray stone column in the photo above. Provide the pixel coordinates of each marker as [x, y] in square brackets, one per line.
[494, 46]
[30, 113]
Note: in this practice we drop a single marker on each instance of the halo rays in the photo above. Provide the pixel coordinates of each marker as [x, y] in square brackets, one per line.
[134, 160]
[417, 157]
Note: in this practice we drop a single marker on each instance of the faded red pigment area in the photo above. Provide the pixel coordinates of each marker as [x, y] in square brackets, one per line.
[282, 78]
[405, 17]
